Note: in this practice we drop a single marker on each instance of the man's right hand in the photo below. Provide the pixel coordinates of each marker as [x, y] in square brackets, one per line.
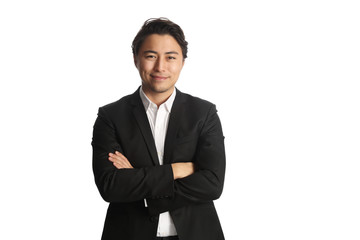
[182, 169]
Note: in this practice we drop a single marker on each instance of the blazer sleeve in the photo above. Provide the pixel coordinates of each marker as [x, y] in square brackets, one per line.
[124, 185]
[206, 184]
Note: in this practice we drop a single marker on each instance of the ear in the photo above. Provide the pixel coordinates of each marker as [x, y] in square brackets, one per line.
[135, 61]
[183, 63]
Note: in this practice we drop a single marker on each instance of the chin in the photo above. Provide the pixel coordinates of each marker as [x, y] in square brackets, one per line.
[160, 90]
[160, 87]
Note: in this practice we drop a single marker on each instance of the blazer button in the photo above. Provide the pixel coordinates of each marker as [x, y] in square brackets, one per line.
[154, 219]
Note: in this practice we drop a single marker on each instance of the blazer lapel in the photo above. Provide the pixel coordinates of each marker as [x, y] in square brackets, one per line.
[173, 126]
[143, 123]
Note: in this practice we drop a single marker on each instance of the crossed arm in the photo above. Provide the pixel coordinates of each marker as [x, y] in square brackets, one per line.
[166, 187]
[180, 170]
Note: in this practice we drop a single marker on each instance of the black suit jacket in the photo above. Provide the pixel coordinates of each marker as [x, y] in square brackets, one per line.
[194, 134]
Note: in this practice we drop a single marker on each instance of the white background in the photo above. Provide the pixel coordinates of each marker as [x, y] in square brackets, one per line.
[283, 74]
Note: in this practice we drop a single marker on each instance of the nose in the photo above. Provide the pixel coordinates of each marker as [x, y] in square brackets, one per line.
[160, 65]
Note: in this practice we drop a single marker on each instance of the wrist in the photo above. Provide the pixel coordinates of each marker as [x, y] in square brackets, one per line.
[174, 170]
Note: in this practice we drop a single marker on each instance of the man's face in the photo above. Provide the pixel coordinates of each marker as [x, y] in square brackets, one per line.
[159, 62]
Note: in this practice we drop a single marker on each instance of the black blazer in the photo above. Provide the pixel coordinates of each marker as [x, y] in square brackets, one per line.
[194, 134]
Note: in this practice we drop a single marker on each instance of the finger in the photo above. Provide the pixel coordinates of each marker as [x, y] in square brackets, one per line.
[114, 157]
[124, 159]
[120, 163]
[120, 160]
[119, 154]
[124, 163]
[118, 166]
[127, 164]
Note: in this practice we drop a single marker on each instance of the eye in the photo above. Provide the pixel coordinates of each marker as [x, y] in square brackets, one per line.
[150, 56]
[171, 58]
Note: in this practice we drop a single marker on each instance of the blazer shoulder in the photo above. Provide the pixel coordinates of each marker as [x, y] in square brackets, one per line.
[124, 101]
[117, 108]
[197, 103]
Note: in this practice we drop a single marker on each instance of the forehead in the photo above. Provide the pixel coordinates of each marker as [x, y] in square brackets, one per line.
[160, 43]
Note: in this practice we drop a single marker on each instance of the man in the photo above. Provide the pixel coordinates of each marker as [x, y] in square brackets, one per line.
[158, 154]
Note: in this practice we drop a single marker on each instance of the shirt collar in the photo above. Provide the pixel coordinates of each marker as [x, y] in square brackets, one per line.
[148, 103]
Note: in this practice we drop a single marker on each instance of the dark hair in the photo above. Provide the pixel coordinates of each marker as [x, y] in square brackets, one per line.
[160, 26]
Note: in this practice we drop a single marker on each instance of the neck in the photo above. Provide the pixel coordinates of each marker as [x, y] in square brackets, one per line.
[158, 98]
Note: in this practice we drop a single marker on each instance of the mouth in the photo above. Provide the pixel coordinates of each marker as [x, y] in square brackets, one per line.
[158, 78]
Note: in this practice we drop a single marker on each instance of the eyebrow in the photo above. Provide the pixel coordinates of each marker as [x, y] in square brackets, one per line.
[171, 52]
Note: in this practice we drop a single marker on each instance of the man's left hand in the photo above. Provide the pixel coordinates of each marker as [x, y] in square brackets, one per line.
[119, 160]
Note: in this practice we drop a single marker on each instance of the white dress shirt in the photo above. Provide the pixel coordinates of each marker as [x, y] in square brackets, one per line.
[159, 119]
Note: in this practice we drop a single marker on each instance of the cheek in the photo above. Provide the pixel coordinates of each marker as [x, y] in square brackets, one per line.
[145, 66]
[176, 69]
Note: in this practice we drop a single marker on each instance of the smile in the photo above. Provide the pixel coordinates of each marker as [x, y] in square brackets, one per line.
[159, 78]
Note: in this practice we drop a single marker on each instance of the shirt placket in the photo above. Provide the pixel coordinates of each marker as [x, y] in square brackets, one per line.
[159, 132]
